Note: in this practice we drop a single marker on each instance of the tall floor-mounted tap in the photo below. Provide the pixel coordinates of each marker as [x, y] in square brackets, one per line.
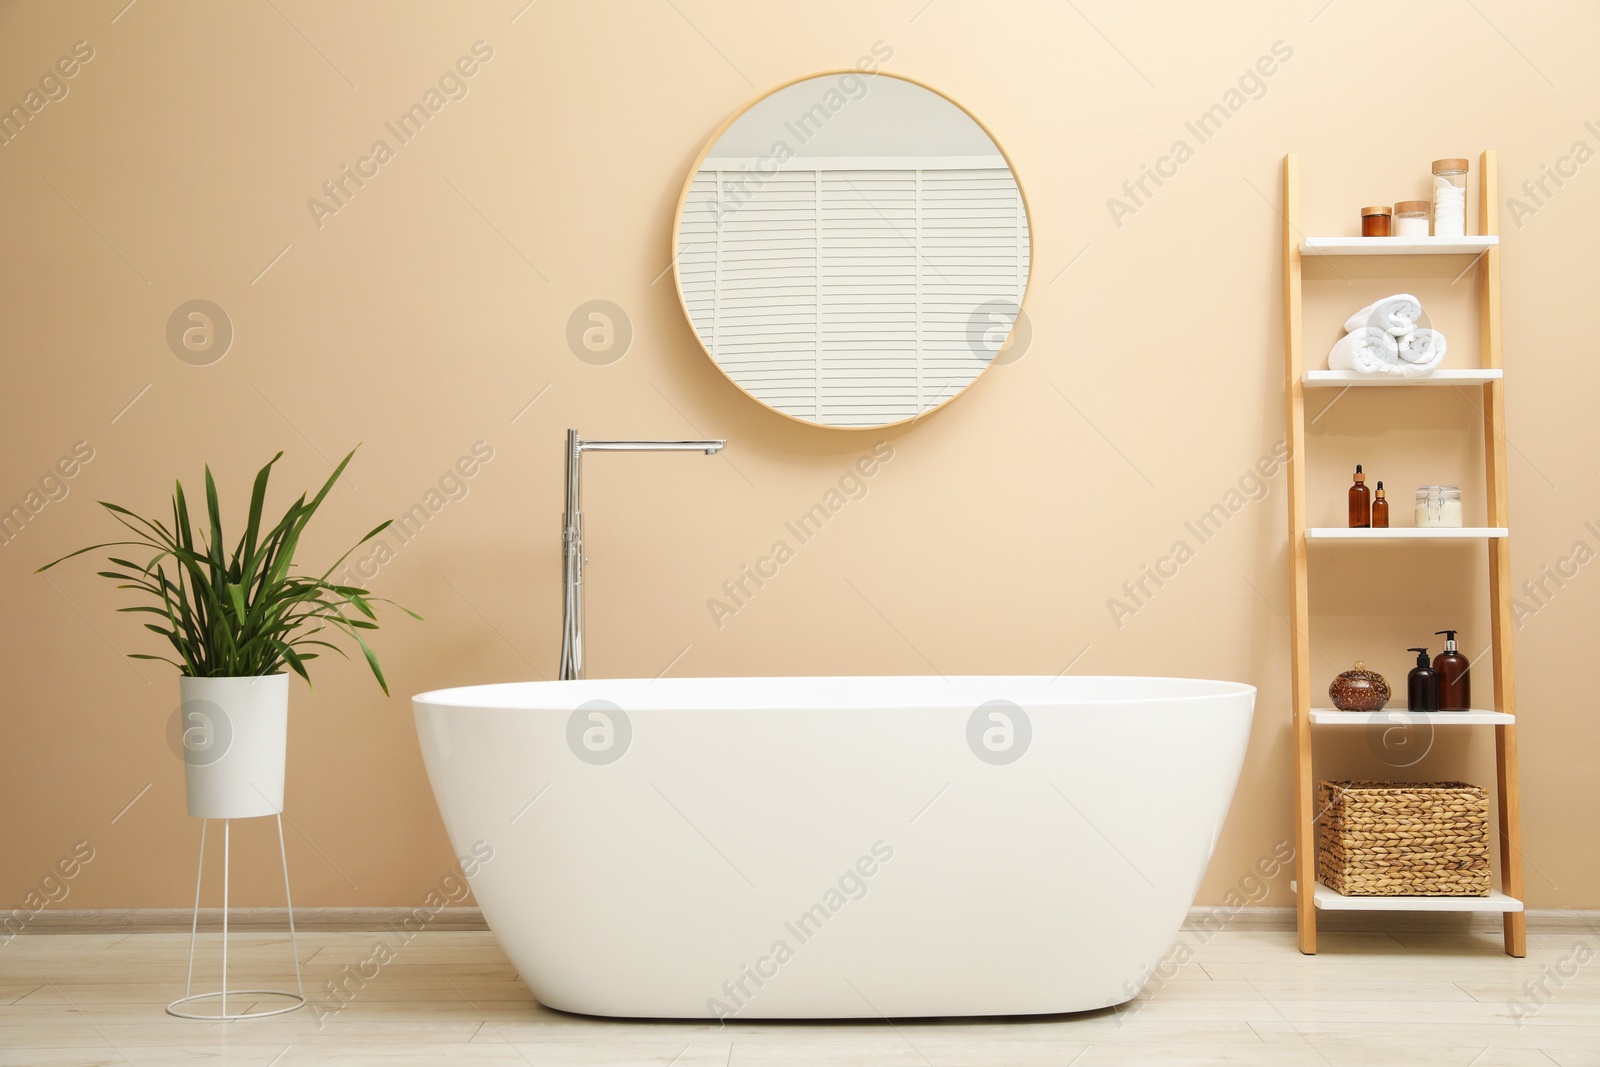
[573, 558]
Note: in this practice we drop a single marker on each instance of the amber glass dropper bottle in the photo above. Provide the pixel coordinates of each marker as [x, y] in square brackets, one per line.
[1360, 502]
[1380, 510]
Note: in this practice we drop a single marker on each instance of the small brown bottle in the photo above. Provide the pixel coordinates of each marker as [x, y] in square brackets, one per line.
[1360, 502]
[1380, 510]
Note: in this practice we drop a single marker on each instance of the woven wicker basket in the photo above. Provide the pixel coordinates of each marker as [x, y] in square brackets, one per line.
[1403, 839]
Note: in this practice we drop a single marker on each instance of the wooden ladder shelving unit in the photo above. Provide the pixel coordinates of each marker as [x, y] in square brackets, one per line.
[1311, 895]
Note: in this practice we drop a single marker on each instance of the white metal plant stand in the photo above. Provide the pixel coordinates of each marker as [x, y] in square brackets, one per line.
[297, 999]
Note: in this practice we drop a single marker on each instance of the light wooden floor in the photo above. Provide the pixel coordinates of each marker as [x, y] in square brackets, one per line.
[452, 998]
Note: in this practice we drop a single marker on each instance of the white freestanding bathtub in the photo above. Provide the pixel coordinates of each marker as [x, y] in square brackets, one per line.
[795, 848]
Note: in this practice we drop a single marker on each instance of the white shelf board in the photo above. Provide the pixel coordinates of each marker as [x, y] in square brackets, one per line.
[1439, 377]
[1328, 900]
[1402, 717]
[1396, 246]
[1404, 533]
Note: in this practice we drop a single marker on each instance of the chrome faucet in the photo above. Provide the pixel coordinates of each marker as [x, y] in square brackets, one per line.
[573, 558]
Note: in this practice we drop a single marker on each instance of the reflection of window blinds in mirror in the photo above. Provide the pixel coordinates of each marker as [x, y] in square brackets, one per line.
[844, 290]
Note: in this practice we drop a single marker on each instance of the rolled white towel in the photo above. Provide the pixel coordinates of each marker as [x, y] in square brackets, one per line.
[1366, 349]
[1420, 352]
[1398, 314]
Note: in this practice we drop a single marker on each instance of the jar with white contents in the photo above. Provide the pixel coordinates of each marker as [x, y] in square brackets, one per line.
[1439, 506]
[1449, 197]
[1411, 218]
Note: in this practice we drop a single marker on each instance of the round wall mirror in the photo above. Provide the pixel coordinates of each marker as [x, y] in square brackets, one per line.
[852, 249]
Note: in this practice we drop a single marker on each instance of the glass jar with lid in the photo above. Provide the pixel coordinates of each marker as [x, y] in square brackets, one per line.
[1439, 506]
[1411, 218]
[1375, 221]
[1449, 197]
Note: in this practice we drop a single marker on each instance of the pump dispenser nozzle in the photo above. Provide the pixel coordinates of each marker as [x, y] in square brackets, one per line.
[1449, 639]
[1422, 656]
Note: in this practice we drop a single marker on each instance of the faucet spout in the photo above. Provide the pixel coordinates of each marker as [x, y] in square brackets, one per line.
[573, 558]
[710, 448]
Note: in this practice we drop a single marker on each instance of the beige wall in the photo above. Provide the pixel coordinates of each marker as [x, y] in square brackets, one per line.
[425, 314]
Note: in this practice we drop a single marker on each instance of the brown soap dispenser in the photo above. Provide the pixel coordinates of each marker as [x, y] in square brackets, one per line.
[1360, 502]
[1455, 684]
[1380, 509]
[1422, 684]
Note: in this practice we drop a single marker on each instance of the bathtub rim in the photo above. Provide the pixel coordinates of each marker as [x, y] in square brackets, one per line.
[565, 695]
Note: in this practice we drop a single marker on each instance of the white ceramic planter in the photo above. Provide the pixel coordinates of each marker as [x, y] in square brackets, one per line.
[235, 737]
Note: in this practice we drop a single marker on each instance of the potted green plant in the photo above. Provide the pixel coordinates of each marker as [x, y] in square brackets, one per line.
[235, 621]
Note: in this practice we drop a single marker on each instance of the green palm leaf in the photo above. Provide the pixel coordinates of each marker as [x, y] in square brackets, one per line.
[244, 612]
